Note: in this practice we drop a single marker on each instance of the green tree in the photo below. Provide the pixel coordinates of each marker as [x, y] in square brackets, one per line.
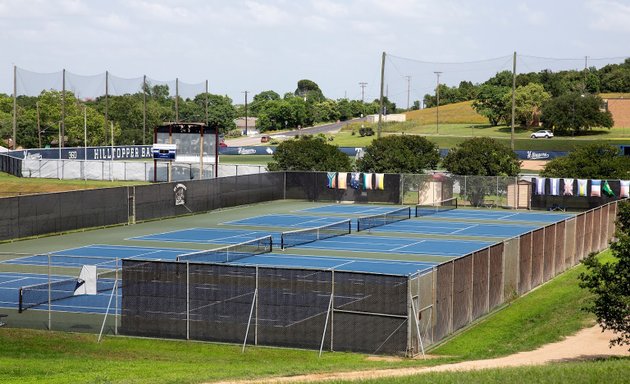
[307, 153]
[575, 113]
[399, 154]
[610, 283]
[491, 103]
[528, 100]
[481, 156]
[259, 100]
[309, 90]
[593, 161]
[221, 112]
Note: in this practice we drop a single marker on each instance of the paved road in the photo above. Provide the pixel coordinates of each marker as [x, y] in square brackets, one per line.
[325, 128]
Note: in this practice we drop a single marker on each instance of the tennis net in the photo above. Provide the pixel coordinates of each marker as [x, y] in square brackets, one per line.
[33, 295]
[439, 206]
[309, 235]
[367, 222]
[231, 252]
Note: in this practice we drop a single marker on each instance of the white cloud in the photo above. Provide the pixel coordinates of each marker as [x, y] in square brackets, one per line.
[330, 8]
[612, 16]
[268, 15]
[533, 16]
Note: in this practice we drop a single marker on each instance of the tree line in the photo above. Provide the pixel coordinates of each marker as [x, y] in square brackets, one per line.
[130, 118]
[566, 101]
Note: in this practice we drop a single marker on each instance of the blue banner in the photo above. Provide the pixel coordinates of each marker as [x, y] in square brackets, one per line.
[131, 152]
[124, 152]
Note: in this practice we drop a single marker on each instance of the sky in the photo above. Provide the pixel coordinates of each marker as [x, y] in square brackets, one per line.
[258, 45]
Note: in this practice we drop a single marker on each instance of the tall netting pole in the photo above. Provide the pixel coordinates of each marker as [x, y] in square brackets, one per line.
[63, 111]
[144, 109]
[106, 105]
[513, 99]
[15, 107]
[380, 110]
[177, 100]
[49, 296]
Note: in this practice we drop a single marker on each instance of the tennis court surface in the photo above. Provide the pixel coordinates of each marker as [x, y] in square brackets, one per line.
[304, 253]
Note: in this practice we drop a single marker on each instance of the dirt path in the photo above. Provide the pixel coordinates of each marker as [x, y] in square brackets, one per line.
[589, 343]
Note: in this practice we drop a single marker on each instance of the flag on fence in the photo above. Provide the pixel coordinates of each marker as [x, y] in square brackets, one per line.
[342, 180]
[355, 180]
[596, 188]
[582, 183]
[554, 186]
[332, 179]
[568, 187]
[607, 190]
[540, 186]
[367, 181]
[380, 181]
[625, 188]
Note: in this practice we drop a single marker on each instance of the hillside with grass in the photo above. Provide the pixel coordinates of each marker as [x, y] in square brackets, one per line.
[457, 113]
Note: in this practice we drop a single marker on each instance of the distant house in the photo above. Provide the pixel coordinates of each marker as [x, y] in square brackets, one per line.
[619, 105]
[251, 124]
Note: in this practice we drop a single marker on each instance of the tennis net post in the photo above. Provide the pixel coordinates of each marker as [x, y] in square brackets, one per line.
[231, 252]
[373, 221]
[309, 235]
[436, 207]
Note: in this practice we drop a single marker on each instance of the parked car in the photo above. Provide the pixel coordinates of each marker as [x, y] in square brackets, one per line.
[542, 134]
[265, 138]
[222, 144]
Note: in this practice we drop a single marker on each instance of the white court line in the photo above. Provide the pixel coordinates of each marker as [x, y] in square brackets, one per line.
[13, 281]
[341, 265]
[405, 246]
[463, 229]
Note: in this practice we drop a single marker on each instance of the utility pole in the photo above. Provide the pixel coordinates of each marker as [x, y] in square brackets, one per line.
[513, 101]
[408, 90]
[245, 92]
[380, 110]
[437, 110]
[362, 85]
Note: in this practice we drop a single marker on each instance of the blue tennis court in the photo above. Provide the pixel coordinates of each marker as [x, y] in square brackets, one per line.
[415, 225]
[10, 283]
[208, 236]
[392, 267]
[381, 244]
[507, 216]
[455, 228]
[286, 221]
[458, 214]
[103, 256]
[353, 209]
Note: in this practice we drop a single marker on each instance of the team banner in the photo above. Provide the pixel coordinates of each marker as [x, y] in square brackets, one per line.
[367, 181]
[596, 188]
[625, 188]
[355, 180]
[380, 181]
[332, 179]
[554, 186]
[342, 180]
[540, 186]
[568, 187]
[582, 184]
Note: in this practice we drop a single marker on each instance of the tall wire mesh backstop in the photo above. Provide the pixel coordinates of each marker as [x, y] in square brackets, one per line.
[301, 308]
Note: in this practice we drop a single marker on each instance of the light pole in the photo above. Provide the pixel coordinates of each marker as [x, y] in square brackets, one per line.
[408, 90]
[437, 110]
[245, 92]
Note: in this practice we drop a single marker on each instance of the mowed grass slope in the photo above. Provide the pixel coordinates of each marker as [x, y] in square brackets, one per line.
[11, 185]
[545, 315]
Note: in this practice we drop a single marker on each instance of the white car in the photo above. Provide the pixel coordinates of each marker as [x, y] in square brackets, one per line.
[542, 134]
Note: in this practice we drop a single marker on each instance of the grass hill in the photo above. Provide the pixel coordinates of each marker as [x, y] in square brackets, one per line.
[457, 113]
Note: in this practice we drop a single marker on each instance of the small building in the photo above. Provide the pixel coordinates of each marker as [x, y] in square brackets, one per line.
[619, 106]
[251, 124]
